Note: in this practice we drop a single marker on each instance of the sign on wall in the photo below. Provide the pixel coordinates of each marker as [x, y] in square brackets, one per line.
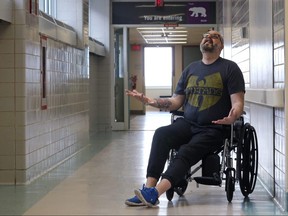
[177, 13]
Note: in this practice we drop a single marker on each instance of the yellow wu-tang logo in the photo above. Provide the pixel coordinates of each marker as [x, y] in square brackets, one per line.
[204, 92]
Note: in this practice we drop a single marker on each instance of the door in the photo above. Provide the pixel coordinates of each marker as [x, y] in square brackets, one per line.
[120, 112]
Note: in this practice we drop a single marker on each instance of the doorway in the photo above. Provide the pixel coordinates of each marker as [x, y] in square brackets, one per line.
[158, 70]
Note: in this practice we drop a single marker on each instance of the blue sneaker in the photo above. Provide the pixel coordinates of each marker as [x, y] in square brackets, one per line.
[148, 196]
[134, 201]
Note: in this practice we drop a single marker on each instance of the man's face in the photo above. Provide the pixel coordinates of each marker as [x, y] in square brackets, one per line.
[211, 42]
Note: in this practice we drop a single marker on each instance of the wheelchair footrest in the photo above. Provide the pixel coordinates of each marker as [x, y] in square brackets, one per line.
[216, 180]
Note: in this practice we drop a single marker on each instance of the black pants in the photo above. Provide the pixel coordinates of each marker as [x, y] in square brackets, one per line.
[193, 143]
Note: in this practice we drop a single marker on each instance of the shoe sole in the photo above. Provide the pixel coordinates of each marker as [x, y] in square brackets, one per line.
[134, 204]
[140, 196]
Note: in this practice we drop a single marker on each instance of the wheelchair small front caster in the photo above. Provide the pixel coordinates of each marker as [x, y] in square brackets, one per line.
[170, 194]
[179, 189]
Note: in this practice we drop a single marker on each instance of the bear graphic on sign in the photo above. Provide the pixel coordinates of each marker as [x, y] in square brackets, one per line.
[198, 10]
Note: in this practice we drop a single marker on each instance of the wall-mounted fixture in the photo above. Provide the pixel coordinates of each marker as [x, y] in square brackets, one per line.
[159, 3]
[6, 10]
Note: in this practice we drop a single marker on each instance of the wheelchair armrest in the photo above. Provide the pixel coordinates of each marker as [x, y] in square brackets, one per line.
[177, 112]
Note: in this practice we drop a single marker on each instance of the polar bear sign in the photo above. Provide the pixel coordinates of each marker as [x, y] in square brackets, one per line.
[198, 10]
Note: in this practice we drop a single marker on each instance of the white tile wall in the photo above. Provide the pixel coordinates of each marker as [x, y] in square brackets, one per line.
[279, 114]
[33, 141]
[7, 107]
[241, 54]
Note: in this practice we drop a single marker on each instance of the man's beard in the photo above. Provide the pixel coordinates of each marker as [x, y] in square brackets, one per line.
[207, 48]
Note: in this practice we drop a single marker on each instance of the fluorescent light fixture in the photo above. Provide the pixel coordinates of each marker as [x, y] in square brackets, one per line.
[163, 38]
[164, 35]
[149, 32]
[176, 35]
[152, 35]
[161, 42]
[168, 31]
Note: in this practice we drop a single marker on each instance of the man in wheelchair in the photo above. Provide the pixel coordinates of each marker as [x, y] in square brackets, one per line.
[211, 92]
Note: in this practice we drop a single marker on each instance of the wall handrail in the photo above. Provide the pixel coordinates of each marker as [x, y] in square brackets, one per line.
[273, 97]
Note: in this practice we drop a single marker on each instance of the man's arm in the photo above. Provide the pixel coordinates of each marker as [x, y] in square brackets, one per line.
[236, 111]
[167, 104]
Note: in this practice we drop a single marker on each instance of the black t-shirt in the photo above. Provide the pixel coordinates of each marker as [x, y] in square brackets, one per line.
[208, 88]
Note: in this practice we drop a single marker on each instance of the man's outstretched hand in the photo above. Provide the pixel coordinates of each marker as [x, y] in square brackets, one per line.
[230, 119]
[137, 95]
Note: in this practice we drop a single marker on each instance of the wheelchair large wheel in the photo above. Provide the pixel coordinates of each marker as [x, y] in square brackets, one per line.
[248, 151]
[230, 184]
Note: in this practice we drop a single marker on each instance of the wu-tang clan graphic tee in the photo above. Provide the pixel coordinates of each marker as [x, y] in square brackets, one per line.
[208, 88]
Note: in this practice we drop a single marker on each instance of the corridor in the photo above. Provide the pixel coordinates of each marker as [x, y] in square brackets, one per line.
[97, 180]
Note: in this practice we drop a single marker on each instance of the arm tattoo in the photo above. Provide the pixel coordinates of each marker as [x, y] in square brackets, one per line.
[163, 103]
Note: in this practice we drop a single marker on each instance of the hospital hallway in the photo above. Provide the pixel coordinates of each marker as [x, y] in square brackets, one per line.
[98, 179]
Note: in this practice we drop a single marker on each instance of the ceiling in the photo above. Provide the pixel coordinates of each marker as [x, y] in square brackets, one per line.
[166, 35]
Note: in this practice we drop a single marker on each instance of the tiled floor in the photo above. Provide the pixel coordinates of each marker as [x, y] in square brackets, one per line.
[97, 181]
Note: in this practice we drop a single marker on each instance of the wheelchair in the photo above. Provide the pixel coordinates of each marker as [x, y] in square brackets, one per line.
[235, 161]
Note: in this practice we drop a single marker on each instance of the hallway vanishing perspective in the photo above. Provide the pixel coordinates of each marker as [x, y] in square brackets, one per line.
[98, 179]
[66, 148]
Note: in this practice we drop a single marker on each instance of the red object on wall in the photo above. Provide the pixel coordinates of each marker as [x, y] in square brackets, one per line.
[159, 3]
[135, 47]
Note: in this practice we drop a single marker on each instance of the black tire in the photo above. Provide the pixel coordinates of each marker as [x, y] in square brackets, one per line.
[229, 184]
[181, 188]
[239, 140]
[171, 157]
[170, 194]
[249, 160]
